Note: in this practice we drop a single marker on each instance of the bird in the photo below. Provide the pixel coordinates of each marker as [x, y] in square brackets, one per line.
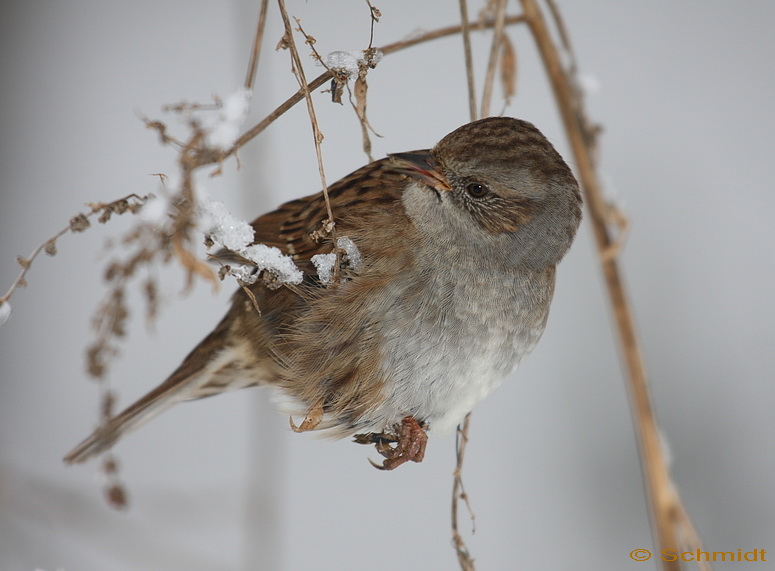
[458, 247]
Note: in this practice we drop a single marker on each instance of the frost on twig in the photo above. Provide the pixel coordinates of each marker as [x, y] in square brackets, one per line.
[223, 127]
[247, 261]
[348, 65]
[325, 264]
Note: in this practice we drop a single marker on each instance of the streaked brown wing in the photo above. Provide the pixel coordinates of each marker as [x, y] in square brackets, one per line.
[354, 199]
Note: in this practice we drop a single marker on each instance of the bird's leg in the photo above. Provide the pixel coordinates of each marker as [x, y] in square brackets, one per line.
[311, 421]
[407, 443]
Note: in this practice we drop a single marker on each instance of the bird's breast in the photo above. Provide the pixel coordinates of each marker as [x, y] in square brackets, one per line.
[452, 337]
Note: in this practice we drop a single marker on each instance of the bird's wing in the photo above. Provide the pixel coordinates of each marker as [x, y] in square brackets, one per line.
[208, 369]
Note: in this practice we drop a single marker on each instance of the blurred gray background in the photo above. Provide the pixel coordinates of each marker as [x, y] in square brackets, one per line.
[685, 98]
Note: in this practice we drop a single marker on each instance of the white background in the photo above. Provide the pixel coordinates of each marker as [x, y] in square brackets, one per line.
[685, 99]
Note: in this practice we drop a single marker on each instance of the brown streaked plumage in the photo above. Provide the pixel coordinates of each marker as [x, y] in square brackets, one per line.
[459, 246]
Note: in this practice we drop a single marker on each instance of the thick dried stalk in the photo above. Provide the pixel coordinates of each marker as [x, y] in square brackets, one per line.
[670, 532]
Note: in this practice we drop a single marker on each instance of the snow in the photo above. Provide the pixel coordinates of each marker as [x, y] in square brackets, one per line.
[349, 63]
[324, 263]
[351, 252]
[589, 84]
[344, 62]
[224, 229]
[224, 127]
[272, 259]
[155, 209]
[237, 236]
[5, 312]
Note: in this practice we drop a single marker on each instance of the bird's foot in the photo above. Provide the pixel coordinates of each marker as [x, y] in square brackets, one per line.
[406, 443]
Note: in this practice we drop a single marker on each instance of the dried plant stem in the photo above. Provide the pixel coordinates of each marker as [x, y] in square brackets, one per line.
[256, 51]
[298, 70]
[458, 493]
[444, 32]
[78, 223]
[26, 264]
[257, 129]
[665, 505]
[464, 558]
[321, 80]
[495, 48]
[466, 29]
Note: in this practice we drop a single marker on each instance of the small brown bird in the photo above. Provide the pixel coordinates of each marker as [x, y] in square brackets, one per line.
[458, 247]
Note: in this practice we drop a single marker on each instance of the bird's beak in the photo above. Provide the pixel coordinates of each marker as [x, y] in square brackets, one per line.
[423, 166]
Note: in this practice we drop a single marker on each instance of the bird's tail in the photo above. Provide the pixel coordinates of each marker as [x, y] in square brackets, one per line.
[137, 414]
[187, 382]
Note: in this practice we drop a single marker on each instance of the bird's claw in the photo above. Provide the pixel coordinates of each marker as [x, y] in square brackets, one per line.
[407, 443]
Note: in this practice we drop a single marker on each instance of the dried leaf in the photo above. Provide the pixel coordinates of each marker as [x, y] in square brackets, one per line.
[361, 89]
[284, 43]
[79, 223]
[193, 265]
[119, 206]
[108, 402]
[151, 299]
[116, 496]
[337, 88]
[95, 360]
[508, 61]
[375, 13]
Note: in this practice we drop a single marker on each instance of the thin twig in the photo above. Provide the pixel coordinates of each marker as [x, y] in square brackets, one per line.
[26, 264]
[78, 223]
[464, 558]
[298, 70]
[256, 51]
[466, 29]
[458, 493]
[375, 16]
[323, 78]
[495, 48]
[663, 499]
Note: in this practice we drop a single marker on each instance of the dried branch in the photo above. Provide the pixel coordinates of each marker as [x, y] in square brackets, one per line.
[325, 77]
[495, 48]
[464, 558]
[470, 82]
[109, 322]
[78, 223]
[357, 67]
[671, 524]
[458, 493]
[256, 51]
[298, 72]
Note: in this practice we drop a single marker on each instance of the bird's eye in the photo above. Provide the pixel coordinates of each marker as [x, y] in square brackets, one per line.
[477, 190]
